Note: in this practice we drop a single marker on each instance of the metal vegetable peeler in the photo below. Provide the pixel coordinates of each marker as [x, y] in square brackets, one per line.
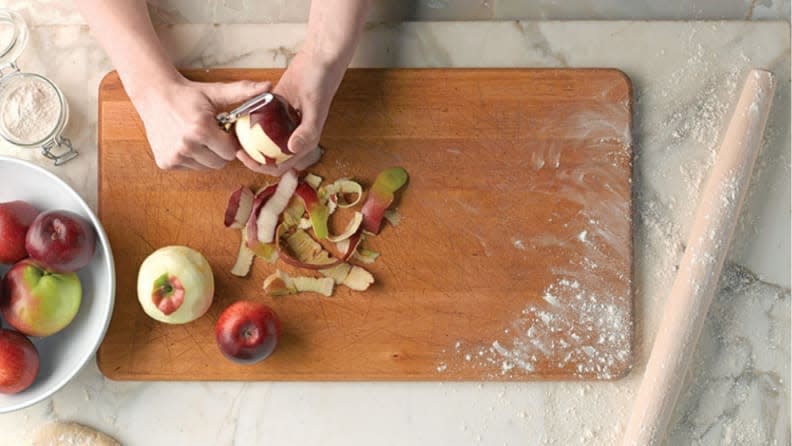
[225, 119]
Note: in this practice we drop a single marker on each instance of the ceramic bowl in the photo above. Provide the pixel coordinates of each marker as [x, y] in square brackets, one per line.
[66, 352]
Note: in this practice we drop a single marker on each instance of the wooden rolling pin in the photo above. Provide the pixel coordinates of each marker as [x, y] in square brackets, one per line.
[699, 271]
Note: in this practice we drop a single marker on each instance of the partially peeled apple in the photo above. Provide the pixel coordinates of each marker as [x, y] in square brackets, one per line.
[175, 285]
[264, 133]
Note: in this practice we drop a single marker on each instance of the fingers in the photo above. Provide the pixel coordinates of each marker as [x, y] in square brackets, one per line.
[189, 164]
[223, 144]
[189, 155]
[208, 158]
[255, 166]
[229, 93]
[298, 162]
[223, 95]
[181, 163]
[306, 135]
[311, 157]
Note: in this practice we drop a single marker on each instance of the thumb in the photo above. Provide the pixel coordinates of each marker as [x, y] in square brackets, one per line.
[306, 135]
[224, 94]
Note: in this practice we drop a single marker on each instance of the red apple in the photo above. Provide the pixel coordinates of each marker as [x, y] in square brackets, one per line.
[247, 332]
[264, 133]
[61, 241]
[38, 302]
[15, 219]
[19, 362]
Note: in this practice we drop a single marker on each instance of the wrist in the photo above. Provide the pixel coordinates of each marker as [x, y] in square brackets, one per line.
[145, 86]
[331, 58]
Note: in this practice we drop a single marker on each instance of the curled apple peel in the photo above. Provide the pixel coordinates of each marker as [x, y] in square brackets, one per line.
[281, 284]
[313, 180]
[381, 196]
[240, 205]
[350, 230]
[267, 219]
[275, 229]
[317, 212]
[244, 260]
[251, 228]
[337, 191]
[302, 251]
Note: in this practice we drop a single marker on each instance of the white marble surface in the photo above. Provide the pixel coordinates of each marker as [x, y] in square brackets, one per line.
[684, 75]
[60, 12]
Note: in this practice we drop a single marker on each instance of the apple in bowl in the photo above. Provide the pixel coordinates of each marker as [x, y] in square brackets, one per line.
[15, 220]
[264, 133]
[39, 302]
[61, 241]
[175, 285]
[19, 362]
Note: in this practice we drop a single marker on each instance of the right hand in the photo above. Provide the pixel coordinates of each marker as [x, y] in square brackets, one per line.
[180, 122]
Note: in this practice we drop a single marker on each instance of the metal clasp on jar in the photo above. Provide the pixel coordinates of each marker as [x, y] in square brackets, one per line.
[66, 156]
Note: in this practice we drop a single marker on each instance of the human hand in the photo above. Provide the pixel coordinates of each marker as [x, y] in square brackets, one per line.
[308, 84]
[179, 118]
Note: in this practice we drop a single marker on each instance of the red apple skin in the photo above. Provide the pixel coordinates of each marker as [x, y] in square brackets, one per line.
[277, 119]
[37, 302]
[15, 219]
[19, 362]
[61, 241]
[247, 332]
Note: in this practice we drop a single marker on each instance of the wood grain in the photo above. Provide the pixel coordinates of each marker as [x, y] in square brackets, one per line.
[520, 184]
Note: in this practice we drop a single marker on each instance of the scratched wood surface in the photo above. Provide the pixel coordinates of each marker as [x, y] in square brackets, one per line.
[512, 260]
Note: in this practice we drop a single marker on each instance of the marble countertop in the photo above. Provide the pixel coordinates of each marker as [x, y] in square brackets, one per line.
[59, 12]
[685, 76]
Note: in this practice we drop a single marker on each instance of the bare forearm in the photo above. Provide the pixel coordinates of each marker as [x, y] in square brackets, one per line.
[334, 29]
[124, 29]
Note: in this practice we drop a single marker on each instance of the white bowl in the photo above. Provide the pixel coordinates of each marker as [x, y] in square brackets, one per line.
[66, 352]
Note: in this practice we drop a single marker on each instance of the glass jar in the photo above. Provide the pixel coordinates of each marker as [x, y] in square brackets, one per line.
[33, 110]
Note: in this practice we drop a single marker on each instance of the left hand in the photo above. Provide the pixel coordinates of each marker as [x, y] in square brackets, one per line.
[309, 85]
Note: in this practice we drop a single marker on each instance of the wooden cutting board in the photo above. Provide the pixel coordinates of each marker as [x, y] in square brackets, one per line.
[512, 259]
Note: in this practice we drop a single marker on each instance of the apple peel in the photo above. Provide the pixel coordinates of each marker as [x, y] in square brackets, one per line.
[393, 217]
[281, 284]
[293, 215]
[267, 220]
[252, 227]
[317, 212]
[240, 205]
[335, 193]
[351, 229]
[366, 255]
[244, 260]
[313, 180]
[309, 254]
[362, 254]
[358, 279]
[381, 196]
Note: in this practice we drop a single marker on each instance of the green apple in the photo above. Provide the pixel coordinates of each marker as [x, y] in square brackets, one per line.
[38, 302]
[175, 285]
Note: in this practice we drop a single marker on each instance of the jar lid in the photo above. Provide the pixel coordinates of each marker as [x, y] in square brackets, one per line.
[13, 37]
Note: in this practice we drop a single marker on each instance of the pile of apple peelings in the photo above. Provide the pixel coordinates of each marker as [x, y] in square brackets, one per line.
[289, 221]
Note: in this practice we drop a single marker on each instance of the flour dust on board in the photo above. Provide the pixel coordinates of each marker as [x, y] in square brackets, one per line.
[579, 327]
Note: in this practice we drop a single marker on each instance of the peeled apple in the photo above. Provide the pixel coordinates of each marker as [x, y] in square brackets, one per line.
[264, 133]
[175, 285]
